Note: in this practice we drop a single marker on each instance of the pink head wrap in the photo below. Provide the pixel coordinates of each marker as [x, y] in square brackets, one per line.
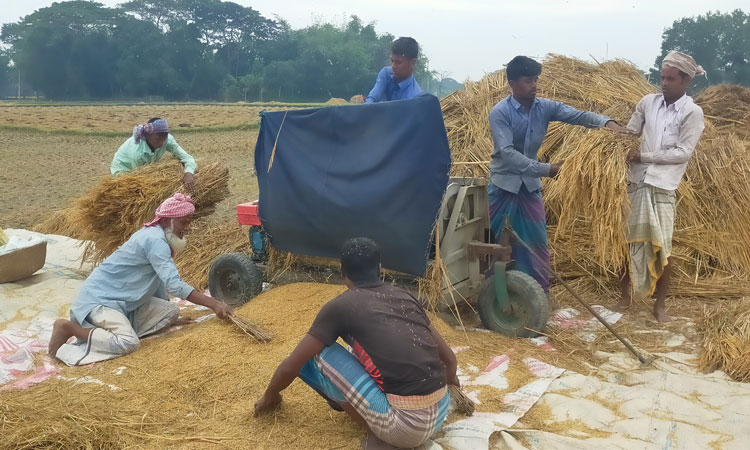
[178, 205]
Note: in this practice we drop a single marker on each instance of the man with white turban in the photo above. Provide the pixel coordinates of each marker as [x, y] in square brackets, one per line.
[125, 298]
[670, 125]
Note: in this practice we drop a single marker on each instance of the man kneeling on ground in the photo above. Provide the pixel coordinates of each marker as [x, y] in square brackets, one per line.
[125, 298]
[394, 380]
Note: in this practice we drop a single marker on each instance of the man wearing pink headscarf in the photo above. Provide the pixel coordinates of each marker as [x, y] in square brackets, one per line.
[670, 125]
[125, 298]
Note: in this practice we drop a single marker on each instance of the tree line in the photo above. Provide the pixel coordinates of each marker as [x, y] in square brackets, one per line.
[192, 50]
[220, 50]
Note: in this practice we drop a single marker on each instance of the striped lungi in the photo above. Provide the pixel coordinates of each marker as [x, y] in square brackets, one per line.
[526, 213]
[402, 421]
[649, 234]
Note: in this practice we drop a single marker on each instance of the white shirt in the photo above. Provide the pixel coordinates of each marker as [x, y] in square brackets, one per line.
[669, 135]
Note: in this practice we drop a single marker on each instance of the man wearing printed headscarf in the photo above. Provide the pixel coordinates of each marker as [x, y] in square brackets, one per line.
[147, 145]
[125, 298]
[670, 125]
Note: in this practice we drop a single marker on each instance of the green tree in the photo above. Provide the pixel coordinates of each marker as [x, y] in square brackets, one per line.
[719, 42]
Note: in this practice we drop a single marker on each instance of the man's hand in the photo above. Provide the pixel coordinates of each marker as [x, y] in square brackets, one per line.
[634, 155]
[267, 404]
[614, 126]
[222, 310]
[554, 169]
[188, 180]
[453, 379]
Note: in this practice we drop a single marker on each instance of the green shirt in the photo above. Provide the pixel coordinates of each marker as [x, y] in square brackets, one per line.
[131, 156]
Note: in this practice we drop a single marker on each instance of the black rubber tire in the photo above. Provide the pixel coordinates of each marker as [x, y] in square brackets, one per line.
[235, 279]
[528, 300]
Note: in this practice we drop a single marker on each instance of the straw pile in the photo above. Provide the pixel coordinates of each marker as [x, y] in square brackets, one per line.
[728, 106]
[726, 340]
[586, 205]
[207, 241]
[116, 207]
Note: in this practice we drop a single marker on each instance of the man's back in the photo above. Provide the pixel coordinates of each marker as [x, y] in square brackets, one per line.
[389, 333]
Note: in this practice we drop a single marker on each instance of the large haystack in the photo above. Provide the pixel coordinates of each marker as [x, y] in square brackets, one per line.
[116, 207]
[728, 106]
[585, 204]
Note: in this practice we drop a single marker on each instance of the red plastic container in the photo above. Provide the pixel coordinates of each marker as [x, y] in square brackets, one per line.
[247, 214]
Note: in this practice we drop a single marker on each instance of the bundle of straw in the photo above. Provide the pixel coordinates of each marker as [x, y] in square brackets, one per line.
[464, 405]
[726, 340]
[251, 329]
[116, 207]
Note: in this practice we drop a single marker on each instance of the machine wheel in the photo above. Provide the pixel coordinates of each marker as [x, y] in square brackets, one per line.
[529, 306]
[235, 279]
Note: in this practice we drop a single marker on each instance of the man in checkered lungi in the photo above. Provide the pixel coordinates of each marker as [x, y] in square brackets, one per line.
[394, 380]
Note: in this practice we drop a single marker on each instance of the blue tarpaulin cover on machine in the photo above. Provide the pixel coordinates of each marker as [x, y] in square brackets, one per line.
[329, 174]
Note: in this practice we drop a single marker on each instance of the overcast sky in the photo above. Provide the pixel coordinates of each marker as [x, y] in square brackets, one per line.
[468, 38]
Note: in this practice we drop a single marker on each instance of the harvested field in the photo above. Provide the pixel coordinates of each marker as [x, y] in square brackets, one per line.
[122, 118]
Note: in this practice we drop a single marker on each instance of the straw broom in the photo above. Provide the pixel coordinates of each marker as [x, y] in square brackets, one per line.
[464, 405]
[251, 329]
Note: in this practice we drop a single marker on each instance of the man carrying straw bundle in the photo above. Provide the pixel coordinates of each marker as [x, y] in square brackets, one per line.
[519, 123]
[670, 125]
[397, 82]
[125, 298]
[147, 145]
[394, 381]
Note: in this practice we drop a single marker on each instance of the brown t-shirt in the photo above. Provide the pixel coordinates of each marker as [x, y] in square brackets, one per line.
[389, 333]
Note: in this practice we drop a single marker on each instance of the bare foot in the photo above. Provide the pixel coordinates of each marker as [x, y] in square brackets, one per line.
[372, 442]
[661, 314]
[61, 332]
[621, 306]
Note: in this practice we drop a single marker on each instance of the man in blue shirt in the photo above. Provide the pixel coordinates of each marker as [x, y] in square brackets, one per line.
[519, 123]
[125, 298]
[396, 82]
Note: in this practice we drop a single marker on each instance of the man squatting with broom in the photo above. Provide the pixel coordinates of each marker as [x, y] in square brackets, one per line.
[670, 125]
[519, 123]
[147, 145]
[125, 298]
[394, 383]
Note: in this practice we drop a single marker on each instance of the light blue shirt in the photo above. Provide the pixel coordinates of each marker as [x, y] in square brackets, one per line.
[387, 88]
[130, 155]
[518, 134]
[140, 269]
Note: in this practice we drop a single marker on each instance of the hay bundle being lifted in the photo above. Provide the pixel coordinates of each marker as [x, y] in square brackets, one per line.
[726, 340]
[586, 205]
[116, 207]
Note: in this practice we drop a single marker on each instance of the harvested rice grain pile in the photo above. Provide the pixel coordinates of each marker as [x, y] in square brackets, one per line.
[586, 205]
[726, 340]
[116, 207]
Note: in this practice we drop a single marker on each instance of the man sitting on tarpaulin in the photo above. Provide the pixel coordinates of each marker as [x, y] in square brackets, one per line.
[670, 125]
[125, 298]
[394, 381]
